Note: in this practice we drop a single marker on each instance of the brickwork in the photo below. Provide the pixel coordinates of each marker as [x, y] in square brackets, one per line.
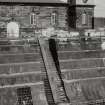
[89, 13]
[75, 14]
[21, 15]
[81, 14]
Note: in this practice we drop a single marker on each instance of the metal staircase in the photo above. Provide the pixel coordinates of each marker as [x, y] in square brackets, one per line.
[54, 86]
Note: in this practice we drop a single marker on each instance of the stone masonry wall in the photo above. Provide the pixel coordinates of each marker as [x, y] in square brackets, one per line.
[21, 15]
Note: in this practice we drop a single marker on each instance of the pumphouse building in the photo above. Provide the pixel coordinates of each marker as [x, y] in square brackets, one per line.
[42, 14]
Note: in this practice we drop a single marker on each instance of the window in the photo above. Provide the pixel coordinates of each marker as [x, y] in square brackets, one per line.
[54, 18]
[84, 19]
[33, 19]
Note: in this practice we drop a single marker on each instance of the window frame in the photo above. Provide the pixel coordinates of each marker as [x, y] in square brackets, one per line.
[54, 18]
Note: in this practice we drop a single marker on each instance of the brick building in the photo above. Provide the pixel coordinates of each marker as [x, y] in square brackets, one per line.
[33, 15]
[40, 14]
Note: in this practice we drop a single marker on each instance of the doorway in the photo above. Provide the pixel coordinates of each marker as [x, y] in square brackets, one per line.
[12, 30]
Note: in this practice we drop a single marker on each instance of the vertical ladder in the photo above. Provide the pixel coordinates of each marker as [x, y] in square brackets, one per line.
[53, 75]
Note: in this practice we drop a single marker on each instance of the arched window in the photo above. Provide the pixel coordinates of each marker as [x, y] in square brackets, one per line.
[54, 18]
[84, 19]
[12, 30]
[33, 19]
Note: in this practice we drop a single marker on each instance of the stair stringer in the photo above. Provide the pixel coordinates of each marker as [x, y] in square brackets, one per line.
[52, 74]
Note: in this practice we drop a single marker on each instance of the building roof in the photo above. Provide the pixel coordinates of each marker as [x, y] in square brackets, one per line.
[33, 1]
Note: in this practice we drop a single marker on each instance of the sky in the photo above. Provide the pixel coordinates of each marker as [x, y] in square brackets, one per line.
[100, 8]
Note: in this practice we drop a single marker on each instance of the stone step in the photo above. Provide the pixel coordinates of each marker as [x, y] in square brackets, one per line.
[89, 89]
[63, 55]
[20, 78]
[18, 45]
[81, 63]
[75, 45]
[20, 50]
[12, 68]
[83, 73]
[23, 57]
[32, 48]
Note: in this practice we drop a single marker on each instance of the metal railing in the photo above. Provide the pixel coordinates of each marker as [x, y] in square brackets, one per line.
[19, 45]
[80, 42]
